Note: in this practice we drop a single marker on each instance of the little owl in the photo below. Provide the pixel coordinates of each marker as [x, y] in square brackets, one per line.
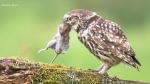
[103, 38]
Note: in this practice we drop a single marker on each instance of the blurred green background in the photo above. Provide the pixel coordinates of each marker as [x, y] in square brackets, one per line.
[28, 25]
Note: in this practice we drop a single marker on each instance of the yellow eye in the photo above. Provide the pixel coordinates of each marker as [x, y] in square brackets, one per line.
[69, 19]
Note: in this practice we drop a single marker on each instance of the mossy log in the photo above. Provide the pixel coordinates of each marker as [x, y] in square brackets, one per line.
[21, 71]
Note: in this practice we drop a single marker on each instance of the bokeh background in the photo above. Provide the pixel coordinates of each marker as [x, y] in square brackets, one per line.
[27, 25]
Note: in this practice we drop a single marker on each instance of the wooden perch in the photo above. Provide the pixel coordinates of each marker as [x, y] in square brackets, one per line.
[21, 71]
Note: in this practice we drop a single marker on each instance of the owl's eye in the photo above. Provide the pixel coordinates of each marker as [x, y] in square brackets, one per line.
[69, 19]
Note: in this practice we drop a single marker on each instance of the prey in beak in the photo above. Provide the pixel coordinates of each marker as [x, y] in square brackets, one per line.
[60, 42]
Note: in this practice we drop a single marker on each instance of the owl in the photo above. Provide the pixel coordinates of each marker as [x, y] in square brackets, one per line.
[103, 38]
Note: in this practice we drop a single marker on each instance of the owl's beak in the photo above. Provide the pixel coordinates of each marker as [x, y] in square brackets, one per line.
[64, 29]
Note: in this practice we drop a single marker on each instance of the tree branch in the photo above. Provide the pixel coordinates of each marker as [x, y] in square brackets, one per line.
[21, 71]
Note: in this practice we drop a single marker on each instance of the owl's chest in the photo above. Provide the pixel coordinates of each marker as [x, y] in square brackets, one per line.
[83, 36]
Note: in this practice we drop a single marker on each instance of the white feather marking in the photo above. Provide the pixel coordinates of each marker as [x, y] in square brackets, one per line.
[111, 35]
[65, 16]
[115, 40]
[103, 39]
[99, 31]
[127, 43]
[90, 45]
[113, 24]
[110, 31]
[84, 33]
[91, 16]
[98, 36]
[75, 27]
[113, 47]
[120, 41]
[102, 25]
[117, 36]
[119, 48]
[110, 39]
[105, 25]
[124, 45]
[94, 28]
[98, 26]
[110, 26]
[91, 25]
[106, 29]
[114, 28]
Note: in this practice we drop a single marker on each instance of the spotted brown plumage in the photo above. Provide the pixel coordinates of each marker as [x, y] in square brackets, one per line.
[103, 38]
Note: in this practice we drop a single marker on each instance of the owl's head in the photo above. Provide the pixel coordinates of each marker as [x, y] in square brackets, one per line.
[78, 19]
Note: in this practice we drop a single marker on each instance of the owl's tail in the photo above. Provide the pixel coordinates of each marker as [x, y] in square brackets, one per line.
[135, 60]
[132, 61]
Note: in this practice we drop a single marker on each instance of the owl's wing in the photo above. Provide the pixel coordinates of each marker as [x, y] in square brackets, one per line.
[109, 37]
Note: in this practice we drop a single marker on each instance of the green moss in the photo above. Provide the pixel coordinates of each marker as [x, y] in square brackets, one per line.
[57, 74]
[52, 73]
